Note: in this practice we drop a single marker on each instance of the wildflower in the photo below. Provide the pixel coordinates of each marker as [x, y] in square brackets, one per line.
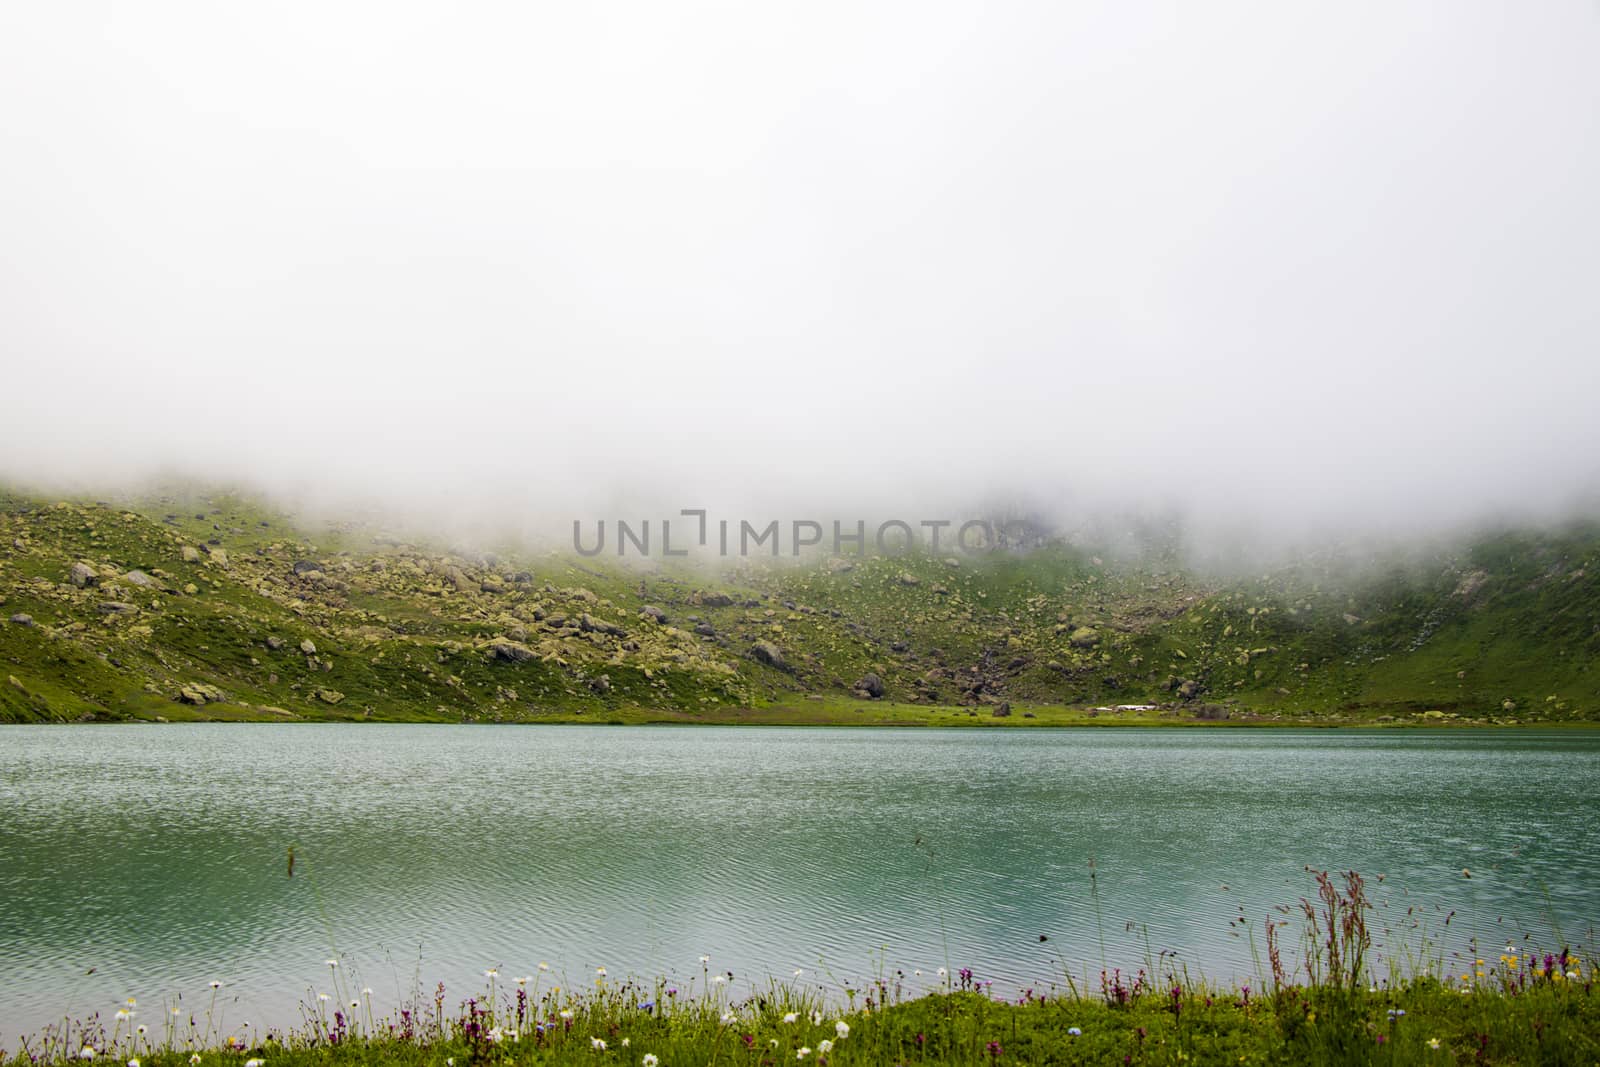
[798, 971]
[566, 1013]
[791, 1018]
[816, 1018]
[367, 991]
[943, 972]
[324, 997]
[1396, 1013]
[354, 1004]
[141, 1029]
[917, 972]
[1574, 975]
[495, 1034]
[719, 979]
[253, 1063]
[87, 1053]
[824, 1047]
[729, 1018]
[803, 1053]
[491, 973]
[331, 963]
[842, 1028]
[133, 1062]
[123, 1013]
[544, 966]
[523, 980]
[626, 1042]
[1433, 1043]
[194, 1060]
[705, 959]
[601, 971]
[132, 1002]
[1074, 1031]
[214, 984]
[597, 1044]
[649, 1060]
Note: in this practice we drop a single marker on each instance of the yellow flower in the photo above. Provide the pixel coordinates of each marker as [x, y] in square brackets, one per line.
[1433, 1042]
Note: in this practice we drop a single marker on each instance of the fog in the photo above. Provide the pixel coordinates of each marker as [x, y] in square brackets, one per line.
[1272, 266]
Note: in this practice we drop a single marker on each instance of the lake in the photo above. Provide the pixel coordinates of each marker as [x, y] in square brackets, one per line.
[156, 856]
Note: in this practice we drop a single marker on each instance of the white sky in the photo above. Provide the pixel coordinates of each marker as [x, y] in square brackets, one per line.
[1264, 259]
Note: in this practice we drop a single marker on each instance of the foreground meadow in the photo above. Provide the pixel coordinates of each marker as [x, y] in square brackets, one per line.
[1517, 1006]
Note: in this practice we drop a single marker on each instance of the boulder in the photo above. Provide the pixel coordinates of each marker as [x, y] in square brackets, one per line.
[306, 566]
[198, 693]
[190, 554]
[116, 607]
[871, 685]
[219, 556]
[21, 619]
[491, 584]
[705, 629]
[907, 578]
[141, 579]
[591, 625]
[82, 575]
[274, 643]
[1084, 637]
[768, 653]
[655, 614]
[510, 651]
[329, 696]
[309, 647]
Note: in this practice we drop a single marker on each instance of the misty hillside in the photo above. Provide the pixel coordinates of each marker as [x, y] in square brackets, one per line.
[218, 607]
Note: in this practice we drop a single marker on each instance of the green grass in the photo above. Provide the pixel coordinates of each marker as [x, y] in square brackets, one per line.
[1512, 1015]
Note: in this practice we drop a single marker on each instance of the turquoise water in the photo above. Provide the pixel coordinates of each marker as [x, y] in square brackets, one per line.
[156, 856]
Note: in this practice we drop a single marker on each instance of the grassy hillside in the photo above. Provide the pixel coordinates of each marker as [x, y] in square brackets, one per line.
[214, 606]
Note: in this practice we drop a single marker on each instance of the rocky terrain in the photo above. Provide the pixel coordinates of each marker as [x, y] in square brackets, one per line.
[215, 606]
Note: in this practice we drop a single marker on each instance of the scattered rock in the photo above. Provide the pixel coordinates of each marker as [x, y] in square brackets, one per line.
[190, 554]
[1002, 710]
[82, 575]
[907, 578]
[1084, 637]
[589, 624]
[116, 607]
[309, 647]
[307, 566]
[871, 685]
[219, 556]
[274, 643]
[716, 600]
[491, 584]
[705, 629]
[22, 619]
[329, 696]
[650, 611]
[141, 579]
[1188, 689]
[601, 684]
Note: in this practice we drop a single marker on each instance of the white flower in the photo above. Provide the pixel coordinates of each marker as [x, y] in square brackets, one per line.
[566, 1013]
[367, 992]
[133, 1002]
[942, 973]
[719, 979]
[650, 1060]
[324, 997]
[354, 1004]
[729, 1018]
[626, 1042]
[798, 971]
[705, 959]
[816, 1018]
[214, 984]
[491, 973]
[597, 1044]
[87, 1053]
[842, 1028]
[194, 1061]
[495, 1034]
[141, 1029]
[824, 1047]
[253, 1063]
[601, 971]
[524, 980]
[917, 972]
[802, 1054]
[1074, 1031]
[1573, 975]
[791, 1017]
[544, 966]
[331, 963]
[124, 1013]
[133, 1063]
